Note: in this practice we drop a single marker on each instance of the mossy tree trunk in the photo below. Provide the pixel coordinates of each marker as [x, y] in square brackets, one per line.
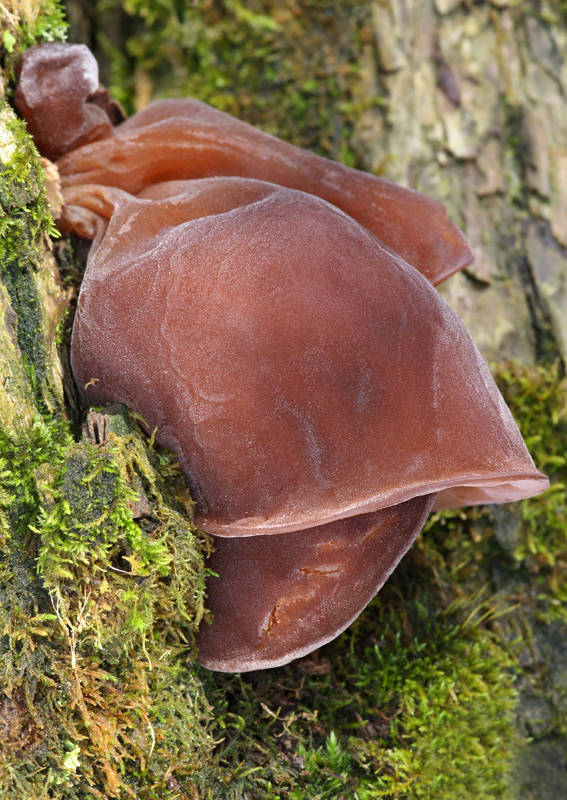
[464, 101]
[101, 569]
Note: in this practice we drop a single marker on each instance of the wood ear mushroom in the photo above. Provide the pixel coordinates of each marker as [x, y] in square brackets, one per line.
[272, 315]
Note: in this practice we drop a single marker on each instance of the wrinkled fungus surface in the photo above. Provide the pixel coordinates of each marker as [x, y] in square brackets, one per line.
[271, 314]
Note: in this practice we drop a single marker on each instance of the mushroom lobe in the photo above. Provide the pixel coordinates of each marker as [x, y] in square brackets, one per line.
[301, 371]
[185, 139]
[71, 117]
[58, 95]
[277, 598]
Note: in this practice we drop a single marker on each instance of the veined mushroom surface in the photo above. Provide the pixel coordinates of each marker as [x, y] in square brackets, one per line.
[272, 316]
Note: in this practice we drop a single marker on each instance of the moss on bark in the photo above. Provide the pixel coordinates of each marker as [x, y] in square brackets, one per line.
[102, 571]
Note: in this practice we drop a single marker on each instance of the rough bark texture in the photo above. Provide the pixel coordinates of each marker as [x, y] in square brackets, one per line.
[474, 112]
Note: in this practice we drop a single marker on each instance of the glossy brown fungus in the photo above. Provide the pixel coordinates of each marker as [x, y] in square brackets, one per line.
[307, 586]
[261, 315]
[59, 96]
[182, 139]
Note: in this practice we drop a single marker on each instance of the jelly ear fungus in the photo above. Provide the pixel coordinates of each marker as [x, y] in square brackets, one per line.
[271, 314]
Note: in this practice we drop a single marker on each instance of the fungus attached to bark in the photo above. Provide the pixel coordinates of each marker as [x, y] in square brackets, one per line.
[185, 139]
[59, 96]
[319, 393]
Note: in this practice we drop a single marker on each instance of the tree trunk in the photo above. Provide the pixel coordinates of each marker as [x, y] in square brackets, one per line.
[474, 112]
[463, 101]
[97, 542]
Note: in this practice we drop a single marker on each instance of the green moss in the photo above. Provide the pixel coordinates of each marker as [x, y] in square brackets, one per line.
[101, 569]
[24, 220]
[47, 25]
[416, 700]
[97, 616]
[268, 63]
[519, 552]
[26, 24]
[538, 399]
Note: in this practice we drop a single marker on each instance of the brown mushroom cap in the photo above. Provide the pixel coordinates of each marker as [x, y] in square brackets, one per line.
[302, 372]
[182, 139]
[58, 95]
[280, 597]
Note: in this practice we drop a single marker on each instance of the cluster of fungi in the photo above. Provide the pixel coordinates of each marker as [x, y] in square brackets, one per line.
[272, 316]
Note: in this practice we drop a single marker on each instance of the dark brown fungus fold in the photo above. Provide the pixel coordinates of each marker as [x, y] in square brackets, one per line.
[59, 96]
[258, 313]
[302, 589]
[185, 139]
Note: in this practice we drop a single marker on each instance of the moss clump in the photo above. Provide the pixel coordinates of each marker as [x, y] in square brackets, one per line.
[98, 610]
[86, 521]
[24, 220]
[101, 570]
[25, 24]
[538, 399]
[269, 63]
[520, 553]
[416, 700]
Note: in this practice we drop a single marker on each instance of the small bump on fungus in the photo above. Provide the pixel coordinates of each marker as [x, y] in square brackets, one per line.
[271, 315]
[59, 96]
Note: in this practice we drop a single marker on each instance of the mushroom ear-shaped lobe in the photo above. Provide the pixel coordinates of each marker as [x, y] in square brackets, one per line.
[277, 598]
[58, 95]
[301, 371]
[187, 139]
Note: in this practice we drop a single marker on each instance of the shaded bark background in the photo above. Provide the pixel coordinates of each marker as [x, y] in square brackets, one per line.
[476, 114]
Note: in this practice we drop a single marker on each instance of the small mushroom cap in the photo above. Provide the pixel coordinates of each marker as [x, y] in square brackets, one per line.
[58, 95]
[277, 598]
[174, 139]
[302, 372]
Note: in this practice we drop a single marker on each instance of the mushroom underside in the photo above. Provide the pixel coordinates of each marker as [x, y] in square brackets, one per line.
[278, 598]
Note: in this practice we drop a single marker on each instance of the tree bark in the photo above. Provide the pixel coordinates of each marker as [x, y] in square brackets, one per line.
[473, 110]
